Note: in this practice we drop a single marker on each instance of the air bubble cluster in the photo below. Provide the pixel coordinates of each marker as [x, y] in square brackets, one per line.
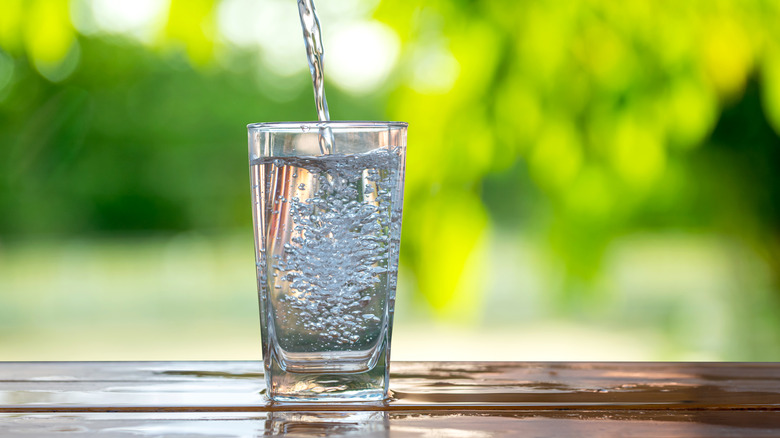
[332, 245]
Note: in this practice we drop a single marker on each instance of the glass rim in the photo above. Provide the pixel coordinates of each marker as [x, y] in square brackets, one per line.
[339, 124]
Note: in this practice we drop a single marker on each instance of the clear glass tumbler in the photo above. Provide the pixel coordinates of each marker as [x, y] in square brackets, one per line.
[327, 200]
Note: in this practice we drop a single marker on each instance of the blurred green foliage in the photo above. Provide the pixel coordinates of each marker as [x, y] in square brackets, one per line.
[612, 117]
[575, 123]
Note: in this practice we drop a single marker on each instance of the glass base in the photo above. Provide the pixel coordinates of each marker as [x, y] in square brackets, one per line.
[286, 385]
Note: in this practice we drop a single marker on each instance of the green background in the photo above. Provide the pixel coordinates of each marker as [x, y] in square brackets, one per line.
[585, 179]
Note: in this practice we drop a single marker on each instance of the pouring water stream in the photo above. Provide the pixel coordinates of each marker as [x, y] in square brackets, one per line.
[312, 38]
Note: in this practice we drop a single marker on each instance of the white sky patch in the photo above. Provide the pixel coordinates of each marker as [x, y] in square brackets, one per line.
[361, 55]
[235, 19]
[141, 19]
[271, 25]
[274, 28]
[434, 70]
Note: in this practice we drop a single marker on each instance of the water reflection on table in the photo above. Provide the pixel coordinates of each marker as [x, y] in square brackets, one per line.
[225, 399]
[367, 424]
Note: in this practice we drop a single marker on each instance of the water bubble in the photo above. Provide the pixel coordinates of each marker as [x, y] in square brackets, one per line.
[336, 257]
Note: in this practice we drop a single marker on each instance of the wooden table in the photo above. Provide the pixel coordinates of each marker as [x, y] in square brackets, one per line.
[432, 399]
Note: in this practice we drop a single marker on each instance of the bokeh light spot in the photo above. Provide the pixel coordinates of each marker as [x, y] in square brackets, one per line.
[49, 38]
[362, 55]
[139, 18]
[10, 24]
[271, 26]
[771, 90]
[191, 25]
[6, 72]
[453, 224]
[691, 112]
[638, 155]
[557, 156]
[434, 70]
[727, 56]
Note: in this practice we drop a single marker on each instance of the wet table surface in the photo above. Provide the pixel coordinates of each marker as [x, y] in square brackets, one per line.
[431, 399]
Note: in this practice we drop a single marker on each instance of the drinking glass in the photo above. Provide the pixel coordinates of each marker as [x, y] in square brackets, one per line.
[327, 201]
